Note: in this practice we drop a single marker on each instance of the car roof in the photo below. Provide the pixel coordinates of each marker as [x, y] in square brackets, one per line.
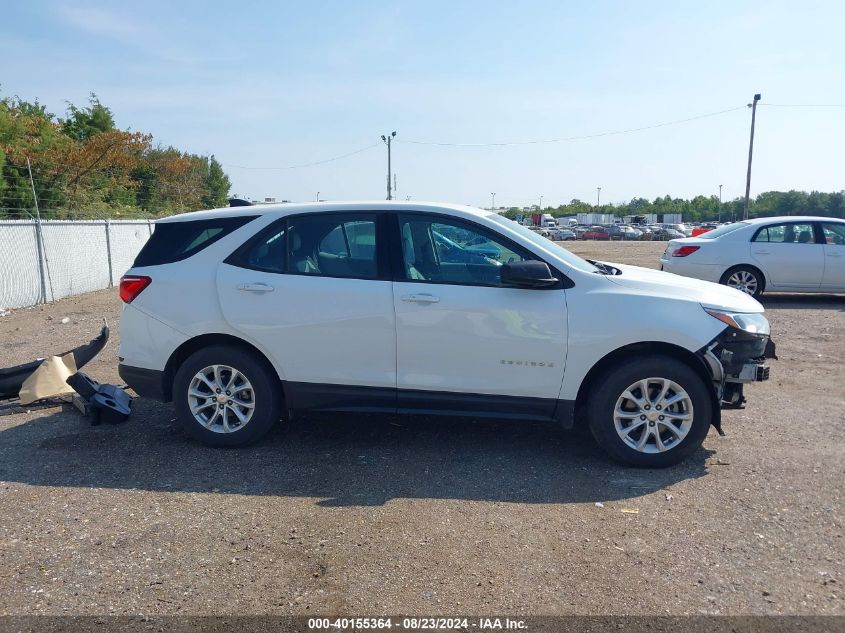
[314, 207]
[791, 218]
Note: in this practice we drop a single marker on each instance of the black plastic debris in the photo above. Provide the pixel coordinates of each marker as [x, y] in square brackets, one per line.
[12, 378]
[103, 403]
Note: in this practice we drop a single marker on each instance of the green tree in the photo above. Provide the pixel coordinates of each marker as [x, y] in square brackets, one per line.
[217, 185]
[836, 204]
[83, 123]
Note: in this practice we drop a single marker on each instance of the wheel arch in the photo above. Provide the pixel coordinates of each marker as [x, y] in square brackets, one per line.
[635, 350]
[206, 340]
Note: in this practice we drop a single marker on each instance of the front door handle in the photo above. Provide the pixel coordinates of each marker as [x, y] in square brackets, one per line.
[421, 298]
[256, 287]
[761, 252]
[834, 254]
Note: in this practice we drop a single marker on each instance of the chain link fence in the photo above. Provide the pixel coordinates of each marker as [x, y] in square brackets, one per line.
[47, 260]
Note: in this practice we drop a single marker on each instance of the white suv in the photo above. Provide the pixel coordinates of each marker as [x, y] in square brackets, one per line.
[243, 316]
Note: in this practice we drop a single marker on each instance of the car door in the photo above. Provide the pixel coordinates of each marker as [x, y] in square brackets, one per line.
[463, 340]
[833, 234]
[314, 291]
[788, 255]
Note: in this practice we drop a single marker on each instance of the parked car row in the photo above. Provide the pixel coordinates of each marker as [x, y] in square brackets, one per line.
[627, 232]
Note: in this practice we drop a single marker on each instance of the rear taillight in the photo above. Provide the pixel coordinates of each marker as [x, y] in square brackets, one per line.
[131, 286]
[685, 250]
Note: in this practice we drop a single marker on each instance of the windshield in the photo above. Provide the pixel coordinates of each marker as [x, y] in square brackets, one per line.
[542, 242]
[722, 230]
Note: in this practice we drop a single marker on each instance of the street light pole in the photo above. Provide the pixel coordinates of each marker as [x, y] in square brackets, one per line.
[493, 201]
[753, 106]
[720, 203]
[598, 196]
[387, 139]
[541, 204]
[318, 197]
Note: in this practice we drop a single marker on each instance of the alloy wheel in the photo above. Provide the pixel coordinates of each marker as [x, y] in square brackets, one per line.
[743, 280]
[653, 415]
[221, 399]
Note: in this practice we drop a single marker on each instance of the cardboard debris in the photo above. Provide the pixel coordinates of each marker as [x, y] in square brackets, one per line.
[48, 381]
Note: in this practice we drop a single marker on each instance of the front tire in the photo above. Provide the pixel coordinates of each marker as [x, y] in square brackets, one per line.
[650, 412]
[225, 396]
[746, 279]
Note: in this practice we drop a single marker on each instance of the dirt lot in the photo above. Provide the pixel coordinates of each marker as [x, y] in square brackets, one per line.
[371, 516]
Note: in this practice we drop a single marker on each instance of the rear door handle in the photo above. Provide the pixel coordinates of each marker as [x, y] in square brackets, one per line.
[256, 287]
[421, 298]
[834, 254]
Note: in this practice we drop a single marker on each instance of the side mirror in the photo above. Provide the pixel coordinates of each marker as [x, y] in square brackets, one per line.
[527, 274]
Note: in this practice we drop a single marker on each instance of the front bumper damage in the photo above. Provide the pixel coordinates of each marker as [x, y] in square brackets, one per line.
[734, 359]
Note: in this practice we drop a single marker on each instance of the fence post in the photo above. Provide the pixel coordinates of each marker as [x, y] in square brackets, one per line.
[39, 237]
[108, 253]
[39, 245]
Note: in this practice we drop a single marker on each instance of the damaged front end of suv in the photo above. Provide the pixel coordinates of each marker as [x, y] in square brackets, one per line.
[738, 355]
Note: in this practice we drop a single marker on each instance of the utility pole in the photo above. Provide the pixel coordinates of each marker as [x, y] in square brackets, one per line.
[541, 204]
[753, 106]
[598, 196]
[387, 139]
[720, 203]
[493, 201]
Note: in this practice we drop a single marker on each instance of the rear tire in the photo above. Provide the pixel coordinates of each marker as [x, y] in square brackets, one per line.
[746, 279]
[225, 396]
[658, 430]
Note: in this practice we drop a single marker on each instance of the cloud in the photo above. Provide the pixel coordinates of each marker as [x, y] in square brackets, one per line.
[136, 32]
[103, 21]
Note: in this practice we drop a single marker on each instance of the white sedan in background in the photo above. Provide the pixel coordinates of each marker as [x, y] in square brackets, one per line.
[781, 254]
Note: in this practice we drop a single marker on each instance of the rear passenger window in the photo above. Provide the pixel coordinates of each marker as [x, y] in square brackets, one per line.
[799, 233]
[333, 245]
[267, 253]
[175, 241]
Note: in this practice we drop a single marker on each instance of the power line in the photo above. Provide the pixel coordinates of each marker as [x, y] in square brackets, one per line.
[312, 164]
[583, 137]
[804, 105]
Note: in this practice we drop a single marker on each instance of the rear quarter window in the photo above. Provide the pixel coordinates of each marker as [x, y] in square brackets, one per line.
[175, 241]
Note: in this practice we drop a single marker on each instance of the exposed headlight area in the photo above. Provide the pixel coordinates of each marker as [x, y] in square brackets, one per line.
[741, 349]
[750, 322]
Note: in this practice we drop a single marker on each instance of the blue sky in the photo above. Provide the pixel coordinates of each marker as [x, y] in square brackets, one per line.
[268, 84]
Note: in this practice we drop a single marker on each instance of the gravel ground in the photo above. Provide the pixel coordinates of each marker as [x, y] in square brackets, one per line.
[367, 516]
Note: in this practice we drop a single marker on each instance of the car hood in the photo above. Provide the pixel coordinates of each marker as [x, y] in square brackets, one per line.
[663, 284]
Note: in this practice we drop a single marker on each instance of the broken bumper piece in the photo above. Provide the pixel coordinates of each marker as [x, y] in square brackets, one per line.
[12, 378]
[101, 403]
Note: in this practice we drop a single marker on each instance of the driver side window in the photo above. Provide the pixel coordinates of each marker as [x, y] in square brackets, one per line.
[438, 250]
